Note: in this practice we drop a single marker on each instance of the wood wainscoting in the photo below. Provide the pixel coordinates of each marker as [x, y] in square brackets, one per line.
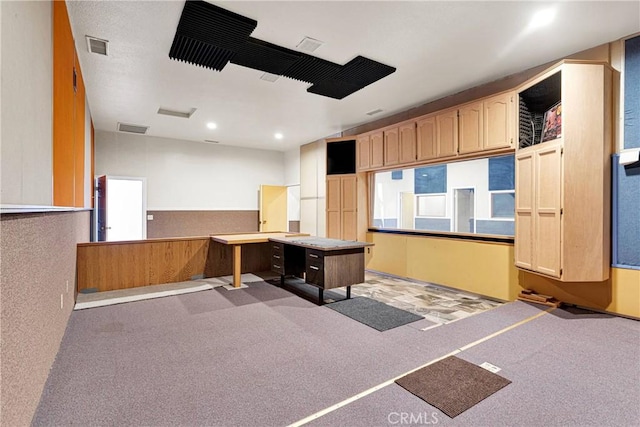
[108, 266]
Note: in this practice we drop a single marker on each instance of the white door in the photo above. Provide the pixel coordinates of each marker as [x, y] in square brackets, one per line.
[464, 208]
[125, 209]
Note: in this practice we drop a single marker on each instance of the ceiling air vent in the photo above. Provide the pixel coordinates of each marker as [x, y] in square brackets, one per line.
[141, 130]
[176, 113]
[373, 112]
[269, 77]
[309, 45]
[211, 141]
[96, 45]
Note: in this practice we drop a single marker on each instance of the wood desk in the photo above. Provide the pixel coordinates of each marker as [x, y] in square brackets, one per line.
[238, 240]
[323, 263]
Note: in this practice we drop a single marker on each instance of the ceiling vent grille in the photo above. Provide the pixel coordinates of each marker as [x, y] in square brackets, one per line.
[211, 141]
[176, 113]
[269, 77]
[309, 45]
[140, 130]
[96, 45]
[373, 112]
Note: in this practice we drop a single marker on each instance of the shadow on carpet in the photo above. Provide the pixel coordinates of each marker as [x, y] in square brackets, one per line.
[452, 385]
[374, 313]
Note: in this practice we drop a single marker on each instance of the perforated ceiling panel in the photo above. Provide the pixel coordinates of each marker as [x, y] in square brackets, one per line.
[211, 37]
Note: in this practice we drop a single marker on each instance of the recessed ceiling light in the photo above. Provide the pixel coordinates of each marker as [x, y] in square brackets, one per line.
[278, 136]
[542, 17]
[212, 125]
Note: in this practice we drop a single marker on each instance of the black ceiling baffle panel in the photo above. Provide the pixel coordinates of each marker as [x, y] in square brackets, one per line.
[210, 36]
[353, 76]
[310, 69]
[265, 56]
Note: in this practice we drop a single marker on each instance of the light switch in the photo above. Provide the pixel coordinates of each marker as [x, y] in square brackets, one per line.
[149, 217]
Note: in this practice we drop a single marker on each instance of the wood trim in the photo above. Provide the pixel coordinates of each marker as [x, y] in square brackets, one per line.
[79, 135]
[63, 108]
[93, 166]
[142, 242]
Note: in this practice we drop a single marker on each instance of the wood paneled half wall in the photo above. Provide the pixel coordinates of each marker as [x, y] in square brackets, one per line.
[108, 266]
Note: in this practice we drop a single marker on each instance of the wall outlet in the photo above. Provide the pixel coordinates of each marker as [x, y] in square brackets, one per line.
[149, 217]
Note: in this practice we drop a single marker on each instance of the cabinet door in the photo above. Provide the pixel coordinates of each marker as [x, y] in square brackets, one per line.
[470, 128]
[499, 121]
[334, 216]
[364, 152]
[377, 150]
[427, 148]
[391, 147]
[349, 207]
[447, 133]
[523, 242]
[547, 219]
[407, 143]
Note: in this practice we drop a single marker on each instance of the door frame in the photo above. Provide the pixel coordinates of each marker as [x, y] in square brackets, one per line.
[144, 200]
[455, 208]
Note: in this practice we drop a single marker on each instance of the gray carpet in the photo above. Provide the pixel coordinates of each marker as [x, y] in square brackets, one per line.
[376, 314]
[452, 385]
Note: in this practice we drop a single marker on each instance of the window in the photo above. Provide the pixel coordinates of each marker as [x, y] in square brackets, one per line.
[472, 196]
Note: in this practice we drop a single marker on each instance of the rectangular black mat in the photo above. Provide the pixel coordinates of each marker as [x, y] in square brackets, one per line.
[374, 313]
[452, 385]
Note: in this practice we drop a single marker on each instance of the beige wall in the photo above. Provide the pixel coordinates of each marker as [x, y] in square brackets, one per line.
[38, 259]
[200, 223]
[488, 269]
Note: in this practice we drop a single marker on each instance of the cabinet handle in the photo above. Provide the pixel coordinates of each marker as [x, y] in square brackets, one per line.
[276, 266]
[313, 256]
[276, 247]
[313, 267]
[277, 256]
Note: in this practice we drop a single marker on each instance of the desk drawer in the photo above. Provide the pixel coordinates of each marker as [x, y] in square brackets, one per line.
[315, 273]
[277, 248]
[314, 255]
[277, 268]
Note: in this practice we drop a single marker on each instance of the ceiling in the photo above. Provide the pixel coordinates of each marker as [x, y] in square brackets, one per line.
[438, 48]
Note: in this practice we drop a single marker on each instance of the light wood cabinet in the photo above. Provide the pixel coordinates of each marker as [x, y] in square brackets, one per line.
[391, 147]
[487, 124]
[447, 133]
[376, 141]
[342, 207]
[363, 152]
[426, 136]
[470, 123]
[538, 209]
[407, 138]
[563, 185]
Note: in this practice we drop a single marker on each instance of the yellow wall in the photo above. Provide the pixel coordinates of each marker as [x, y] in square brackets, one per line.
[488, 269]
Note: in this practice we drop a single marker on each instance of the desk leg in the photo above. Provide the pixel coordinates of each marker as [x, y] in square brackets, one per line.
[348, 292]
[237, 266]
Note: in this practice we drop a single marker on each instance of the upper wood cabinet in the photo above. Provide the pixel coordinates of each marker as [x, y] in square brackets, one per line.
[407, 133]
[391, 147]
[470, 136]
[447, 133]
[563, 184]
[426, 136]
[363, 152]
[377, 149]
[487, 124]
[370, 151]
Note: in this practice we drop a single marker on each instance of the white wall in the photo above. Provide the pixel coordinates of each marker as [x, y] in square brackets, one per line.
[26, 95]
[292, 167]
[470, 174]
[387, 193]
[186, 175]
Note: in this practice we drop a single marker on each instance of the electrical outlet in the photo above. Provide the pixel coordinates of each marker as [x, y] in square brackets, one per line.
[149, 217]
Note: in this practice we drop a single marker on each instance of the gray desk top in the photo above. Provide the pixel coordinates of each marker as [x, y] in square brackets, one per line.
[322, 243]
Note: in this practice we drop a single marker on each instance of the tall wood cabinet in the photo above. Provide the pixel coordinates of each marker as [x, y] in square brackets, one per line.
[563, 184]
[342, 207]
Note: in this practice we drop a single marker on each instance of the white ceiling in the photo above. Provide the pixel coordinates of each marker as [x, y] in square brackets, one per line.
[438, 48]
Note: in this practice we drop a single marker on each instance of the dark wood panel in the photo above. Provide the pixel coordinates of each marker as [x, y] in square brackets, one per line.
[256, 257]
[343, 270]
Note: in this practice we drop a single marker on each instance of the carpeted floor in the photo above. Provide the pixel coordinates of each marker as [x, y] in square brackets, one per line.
[263, 356]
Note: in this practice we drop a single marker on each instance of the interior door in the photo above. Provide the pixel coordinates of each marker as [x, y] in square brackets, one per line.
[101, 204]
[273, 208]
